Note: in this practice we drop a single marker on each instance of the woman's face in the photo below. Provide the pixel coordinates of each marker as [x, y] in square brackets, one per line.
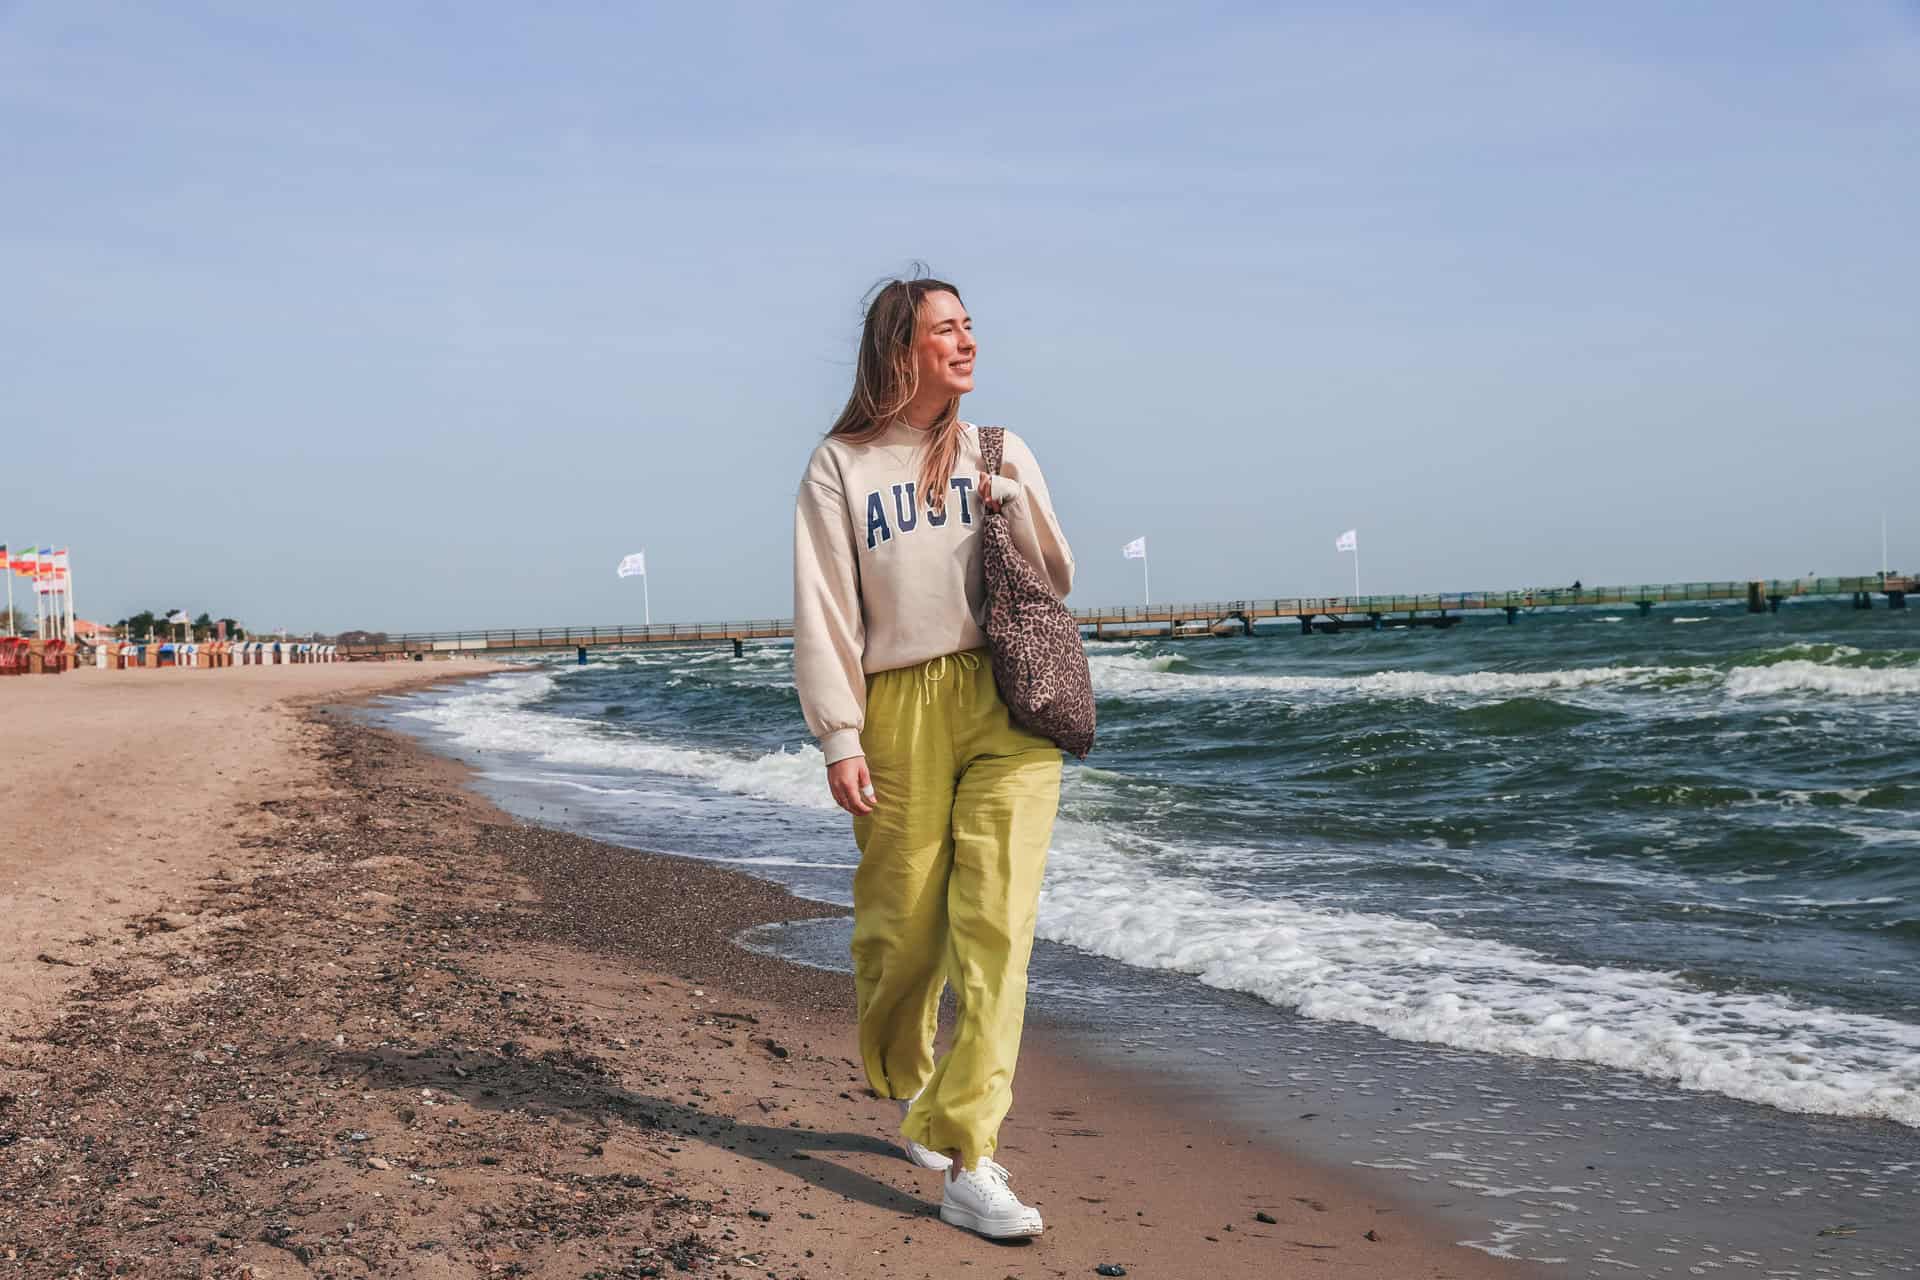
[943, 346]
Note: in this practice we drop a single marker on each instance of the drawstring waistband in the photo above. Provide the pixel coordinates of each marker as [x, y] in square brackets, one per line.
[935, 670]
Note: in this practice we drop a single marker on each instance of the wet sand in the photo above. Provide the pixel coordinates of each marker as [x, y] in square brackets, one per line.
[307, 1006]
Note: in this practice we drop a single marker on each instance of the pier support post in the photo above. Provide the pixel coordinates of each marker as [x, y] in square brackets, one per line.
[739, 649]
[1646, 607]
[1756, 598]
[1863, 599]
[1375, 619]
[1773, 603]
[1306, 625]
[1513, 612]
[1896, 599]
[581, 651]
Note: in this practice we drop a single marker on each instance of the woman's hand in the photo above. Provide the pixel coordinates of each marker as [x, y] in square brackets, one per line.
[852, 785]
[983, 485]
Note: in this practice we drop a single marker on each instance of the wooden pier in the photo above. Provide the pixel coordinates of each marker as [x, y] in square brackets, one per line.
[1330, 614]
[1211, 618]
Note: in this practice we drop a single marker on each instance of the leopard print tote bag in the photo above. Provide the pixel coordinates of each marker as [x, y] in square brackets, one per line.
[1038, 660]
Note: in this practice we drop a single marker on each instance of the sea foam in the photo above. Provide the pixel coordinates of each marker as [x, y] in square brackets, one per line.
[1147, 676]
[494, 718]
[1138, 676]
[1801, 676]
[1416, 981]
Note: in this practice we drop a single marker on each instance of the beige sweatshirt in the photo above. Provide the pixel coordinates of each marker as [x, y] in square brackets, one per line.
[880, 581]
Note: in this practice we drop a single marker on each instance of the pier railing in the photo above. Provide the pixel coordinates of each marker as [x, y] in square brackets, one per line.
[1245, 612]
[1474, 601]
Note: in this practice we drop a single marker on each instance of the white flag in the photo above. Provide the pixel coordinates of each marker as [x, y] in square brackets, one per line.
[1348, 541]
[1135, 550]
[634, 565]
[179, 615]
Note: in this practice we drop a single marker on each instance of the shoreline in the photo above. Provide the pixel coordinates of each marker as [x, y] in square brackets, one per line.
[391, 1030]
[1565, 1164]
[117, 778]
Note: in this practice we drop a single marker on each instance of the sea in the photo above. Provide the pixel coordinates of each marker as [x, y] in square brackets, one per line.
[1597, 934]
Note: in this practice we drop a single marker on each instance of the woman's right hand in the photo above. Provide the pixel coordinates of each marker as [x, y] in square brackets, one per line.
[852, 785]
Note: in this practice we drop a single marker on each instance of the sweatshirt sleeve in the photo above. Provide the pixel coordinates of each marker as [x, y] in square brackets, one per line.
[1036, 530]
[829, 635]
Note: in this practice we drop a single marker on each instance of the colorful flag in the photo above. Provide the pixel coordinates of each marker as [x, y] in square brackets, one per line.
[25, 562]
[1348, 541]
[634, 565]
[1136, 550]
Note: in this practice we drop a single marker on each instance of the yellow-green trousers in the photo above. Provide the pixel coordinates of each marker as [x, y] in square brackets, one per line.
[948, 886]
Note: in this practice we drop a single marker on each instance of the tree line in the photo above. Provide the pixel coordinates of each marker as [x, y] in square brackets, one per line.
[153, 623]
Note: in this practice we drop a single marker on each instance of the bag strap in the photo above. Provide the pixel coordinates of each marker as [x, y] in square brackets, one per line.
[992, 440]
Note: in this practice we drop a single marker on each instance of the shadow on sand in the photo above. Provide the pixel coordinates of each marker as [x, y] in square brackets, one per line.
[574, 1088]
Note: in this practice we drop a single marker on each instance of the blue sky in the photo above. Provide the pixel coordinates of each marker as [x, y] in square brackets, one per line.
[411, 316]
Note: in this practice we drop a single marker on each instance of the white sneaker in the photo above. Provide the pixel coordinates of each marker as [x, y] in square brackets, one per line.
[980, 1200]
[925, 1157]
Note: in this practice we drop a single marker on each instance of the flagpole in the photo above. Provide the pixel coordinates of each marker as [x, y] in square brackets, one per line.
[1356, 569]
[646, 594]
[73, 625]
[1146, 580]
[1883, 548]
[6, 567]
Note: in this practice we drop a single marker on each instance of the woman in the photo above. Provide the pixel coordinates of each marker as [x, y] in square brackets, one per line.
[952, 802]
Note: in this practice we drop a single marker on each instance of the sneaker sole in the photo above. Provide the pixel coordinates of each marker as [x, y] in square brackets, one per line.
[992, 1229]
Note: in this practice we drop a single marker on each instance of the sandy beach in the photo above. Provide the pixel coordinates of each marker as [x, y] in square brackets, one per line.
[282, 997]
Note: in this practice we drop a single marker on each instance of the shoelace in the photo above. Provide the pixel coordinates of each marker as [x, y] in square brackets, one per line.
[994, 1174]
[935, 671]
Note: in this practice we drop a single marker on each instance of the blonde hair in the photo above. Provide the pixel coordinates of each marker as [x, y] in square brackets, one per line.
[885, 380]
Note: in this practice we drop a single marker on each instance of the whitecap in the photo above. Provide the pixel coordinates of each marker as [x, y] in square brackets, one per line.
[1801, 676]
[493, 718]
[1143, 677]
[1415, 981]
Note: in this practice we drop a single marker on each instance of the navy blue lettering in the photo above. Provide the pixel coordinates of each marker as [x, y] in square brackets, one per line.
[877, 520]
[906, 512]
[936, 516]
[963, 485]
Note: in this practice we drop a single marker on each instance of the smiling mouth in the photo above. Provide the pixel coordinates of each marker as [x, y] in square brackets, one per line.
[961, 366]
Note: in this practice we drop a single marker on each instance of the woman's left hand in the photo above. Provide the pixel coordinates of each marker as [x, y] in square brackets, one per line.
[983, 485]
